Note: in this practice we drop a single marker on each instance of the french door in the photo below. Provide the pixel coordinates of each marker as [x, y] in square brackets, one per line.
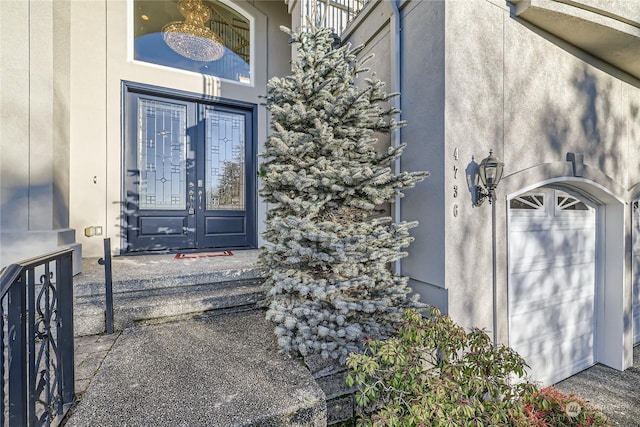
[189, 174]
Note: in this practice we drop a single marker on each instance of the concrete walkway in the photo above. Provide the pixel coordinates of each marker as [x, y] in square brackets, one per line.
[208, 371]
[616, 393]
[89, 353]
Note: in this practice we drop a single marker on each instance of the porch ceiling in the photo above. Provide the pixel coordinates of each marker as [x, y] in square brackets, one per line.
[607, 32]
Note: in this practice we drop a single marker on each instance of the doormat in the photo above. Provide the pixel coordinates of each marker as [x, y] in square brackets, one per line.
[203, 255]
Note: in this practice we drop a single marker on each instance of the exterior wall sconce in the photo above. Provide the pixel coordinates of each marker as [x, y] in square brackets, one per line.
[490, 171]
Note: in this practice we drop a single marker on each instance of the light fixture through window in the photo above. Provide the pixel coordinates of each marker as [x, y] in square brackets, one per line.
[191, 38]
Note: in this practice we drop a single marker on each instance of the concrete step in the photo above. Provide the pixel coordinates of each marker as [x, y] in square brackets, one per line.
[163, 304]
[154, 288]
[331, 378]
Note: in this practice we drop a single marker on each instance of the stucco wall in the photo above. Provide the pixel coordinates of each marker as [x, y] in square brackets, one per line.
[34, 128]
[100, 62]
[474, 124]
[421, 68]
[625, 10]
[553, 99]
[14, 117]
[561, 100]
[532, 98]
[423, 88]
[475, 78]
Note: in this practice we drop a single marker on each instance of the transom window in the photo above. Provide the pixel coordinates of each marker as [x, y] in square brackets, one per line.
[204, 36]
[529, 202]
[565, 202]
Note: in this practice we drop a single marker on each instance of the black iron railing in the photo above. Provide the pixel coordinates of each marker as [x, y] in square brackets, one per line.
[36, 331]
[108, 286]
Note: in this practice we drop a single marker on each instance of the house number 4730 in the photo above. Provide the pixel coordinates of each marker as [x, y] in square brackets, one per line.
[455, 187]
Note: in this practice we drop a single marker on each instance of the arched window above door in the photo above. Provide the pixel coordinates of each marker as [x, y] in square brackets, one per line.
[210, 37]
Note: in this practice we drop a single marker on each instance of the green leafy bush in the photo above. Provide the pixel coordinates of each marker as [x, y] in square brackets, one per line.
[433, 373]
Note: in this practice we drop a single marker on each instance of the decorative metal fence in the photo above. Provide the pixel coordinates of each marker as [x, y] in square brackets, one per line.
[334, 14]
[36, 331]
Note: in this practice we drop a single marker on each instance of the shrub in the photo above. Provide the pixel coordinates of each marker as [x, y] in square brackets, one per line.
[549, 407]
[433, 373]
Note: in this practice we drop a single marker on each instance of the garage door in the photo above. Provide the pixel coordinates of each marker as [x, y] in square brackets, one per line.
[552, 242]
[636, 272]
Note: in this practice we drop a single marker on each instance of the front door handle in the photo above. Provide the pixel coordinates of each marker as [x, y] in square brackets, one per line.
[191, 208]
[200, 198]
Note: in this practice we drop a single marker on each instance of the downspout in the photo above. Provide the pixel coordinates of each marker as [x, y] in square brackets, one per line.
[396, 49]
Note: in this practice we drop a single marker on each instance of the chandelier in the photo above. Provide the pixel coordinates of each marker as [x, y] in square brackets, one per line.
[191, 38]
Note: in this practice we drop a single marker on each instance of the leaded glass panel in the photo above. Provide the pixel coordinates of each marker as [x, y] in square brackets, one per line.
[224, 147]
[162, 148]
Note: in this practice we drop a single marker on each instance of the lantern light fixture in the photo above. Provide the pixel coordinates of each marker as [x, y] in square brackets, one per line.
[490, 172]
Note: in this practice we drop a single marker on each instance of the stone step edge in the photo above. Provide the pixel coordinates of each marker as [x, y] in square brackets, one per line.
[223, 278]
[312, 413]
[204, 314]
[171, 291]
[89, 315]
[171, 301]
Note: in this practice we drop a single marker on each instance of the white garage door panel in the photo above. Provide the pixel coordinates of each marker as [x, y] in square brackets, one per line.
[553, 364]
[558, 342]
[547, 286]
[551, 242]
[550, 331]
[636, 302]
[562, 305]
[552, 256]
[636, 273]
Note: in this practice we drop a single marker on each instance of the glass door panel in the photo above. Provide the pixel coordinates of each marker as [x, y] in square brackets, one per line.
[162, 155]
[225, 168]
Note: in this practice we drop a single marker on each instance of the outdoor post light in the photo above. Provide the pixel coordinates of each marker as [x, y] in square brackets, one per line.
[490, 171]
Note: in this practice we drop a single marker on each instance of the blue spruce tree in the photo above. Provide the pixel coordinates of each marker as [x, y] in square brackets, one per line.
[330, 284]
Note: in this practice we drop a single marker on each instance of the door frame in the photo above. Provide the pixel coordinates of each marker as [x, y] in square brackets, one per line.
[635, 275]
[199, 99]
